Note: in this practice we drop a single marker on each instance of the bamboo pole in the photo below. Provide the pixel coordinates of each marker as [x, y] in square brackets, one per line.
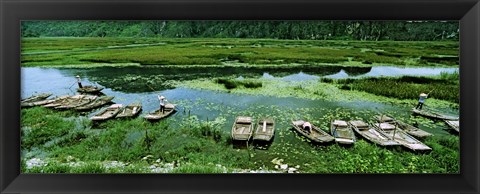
[72, 84]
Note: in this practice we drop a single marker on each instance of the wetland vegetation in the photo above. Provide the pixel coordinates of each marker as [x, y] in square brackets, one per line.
[212, 80]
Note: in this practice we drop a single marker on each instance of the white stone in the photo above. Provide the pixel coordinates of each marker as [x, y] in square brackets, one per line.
[292, 170]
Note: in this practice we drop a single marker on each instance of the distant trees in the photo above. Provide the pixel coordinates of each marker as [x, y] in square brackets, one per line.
[311, 30]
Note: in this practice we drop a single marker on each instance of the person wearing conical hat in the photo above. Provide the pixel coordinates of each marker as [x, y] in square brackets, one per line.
[79, 81]
[163, 101]
[307, 127]
[421, 100]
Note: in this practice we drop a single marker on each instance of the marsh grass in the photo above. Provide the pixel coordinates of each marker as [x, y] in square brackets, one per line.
[446, 87]
[232, 83]
[196, 146]
[211, 51]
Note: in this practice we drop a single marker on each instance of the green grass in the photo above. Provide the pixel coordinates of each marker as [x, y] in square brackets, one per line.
[196, 146]
[444, 87]
[232, 83]
[211, 51]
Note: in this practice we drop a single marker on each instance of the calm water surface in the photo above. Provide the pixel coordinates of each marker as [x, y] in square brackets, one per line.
[208, 105]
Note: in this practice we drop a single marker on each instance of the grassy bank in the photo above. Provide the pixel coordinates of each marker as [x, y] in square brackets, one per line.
[64, 142]
[209, 51]
[402, 91]
[444, 87]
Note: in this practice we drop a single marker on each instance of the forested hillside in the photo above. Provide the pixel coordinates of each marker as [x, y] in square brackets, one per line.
[312, 30]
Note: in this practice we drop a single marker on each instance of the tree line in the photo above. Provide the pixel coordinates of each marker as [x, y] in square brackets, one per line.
[298, 30]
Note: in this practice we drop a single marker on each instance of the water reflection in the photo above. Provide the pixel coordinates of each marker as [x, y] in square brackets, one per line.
[148, 79]
[129, 84]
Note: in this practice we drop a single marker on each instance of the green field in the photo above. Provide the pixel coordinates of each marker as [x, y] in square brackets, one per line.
[209, 51]
[68, 142]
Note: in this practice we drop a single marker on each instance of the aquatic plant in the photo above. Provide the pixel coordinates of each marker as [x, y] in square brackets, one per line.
[231, 83]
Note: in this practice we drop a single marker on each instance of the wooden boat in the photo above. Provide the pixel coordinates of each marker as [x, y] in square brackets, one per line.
[455, 125]
[414, 131]
[36, 98]
[242, 128]
[395, 133]
[78, 102]
[157, 115]
[342, 132]
[107, 113]
[265, 129]
[100, 101]
[131, 110]
[89, 89]
[316, 134]
[63, 101]
[42, 102]
[371, 133]
[433, 115]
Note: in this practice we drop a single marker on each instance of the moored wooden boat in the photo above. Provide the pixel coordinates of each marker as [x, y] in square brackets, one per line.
[342, 132]
[434, 115]
[107, 113]
[316, 134]
[63, 101]
[130, 110]
[36, 98]
[265, 129]
[395, 133]
[43, 102]
[100, 101]
[157, 115]
[371, 133]
[455, 125]
[414, 131]
[242, 128]
[89, 89]
[77, 102]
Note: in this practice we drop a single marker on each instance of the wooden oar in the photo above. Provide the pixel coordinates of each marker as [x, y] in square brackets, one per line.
[150, 87]
[430, 91]
[72, 84]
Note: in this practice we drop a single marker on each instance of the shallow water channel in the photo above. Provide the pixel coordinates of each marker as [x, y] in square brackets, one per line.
[128, 85]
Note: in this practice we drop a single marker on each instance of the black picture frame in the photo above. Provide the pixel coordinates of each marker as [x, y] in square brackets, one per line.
[467, 12]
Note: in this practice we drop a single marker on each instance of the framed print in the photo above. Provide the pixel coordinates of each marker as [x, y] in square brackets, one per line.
[239, 96]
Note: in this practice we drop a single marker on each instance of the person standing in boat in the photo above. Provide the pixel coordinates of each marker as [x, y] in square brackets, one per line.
[307, 127]
[79, 81]
[163, 101]
[421, 100]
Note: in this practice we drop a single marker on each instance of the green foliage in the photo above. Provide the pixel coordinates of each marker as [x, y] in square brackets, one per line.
[216, 52]
[195, 168]
[304, 30]
[232, 83]
[93, 168]
[452, 77]
[196, 146]
[408, 87]
[228, 83]
[42, 129]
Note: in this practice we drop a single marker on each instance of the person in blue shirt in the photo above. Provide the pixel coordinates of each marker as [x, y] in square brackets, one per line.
[421, 100]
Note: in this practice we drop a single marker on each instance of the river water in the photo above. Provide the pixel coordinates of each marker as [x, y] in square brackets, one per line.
[129, 84]
[206, 104]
